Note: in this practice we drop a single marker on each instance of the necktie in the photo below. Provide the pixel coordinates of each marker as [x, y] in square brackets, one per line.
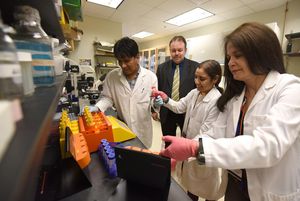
[175, 87]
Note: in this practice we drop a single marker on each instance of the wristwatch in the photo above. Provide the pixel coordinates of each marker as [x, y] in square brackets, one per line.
[200, 154]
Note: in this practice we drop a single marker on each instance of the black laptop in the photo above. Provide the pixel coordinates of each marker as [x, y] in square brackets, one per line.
[149, 172]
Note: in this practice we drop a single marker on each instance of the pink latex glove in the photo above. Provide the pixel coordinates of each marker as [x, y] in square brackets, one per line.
[180, 148]
[156, 93]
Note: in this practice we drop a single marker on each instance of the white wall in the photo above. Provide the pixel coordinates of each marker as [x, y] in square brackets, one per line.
[95, 29]
[213, 33]
[205, 47]
[210, 46]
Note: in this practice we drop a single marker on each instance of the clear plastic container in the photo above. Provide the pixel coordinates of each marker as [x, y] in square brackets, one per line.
[10, 70]
[30, 37]
[10, 74]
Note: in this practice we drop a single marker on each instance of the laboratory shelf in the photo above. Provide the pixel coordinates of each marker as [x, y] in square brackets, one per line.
[292, 54]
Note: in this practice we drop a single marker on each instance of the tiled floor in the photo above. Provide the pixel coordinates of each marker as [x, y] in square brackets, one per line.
[157, 144]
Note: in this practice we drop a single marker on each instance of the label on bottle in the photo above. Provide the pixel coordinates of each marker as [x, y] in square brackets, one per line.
[8, 70]
[42, 61]
[6, 56]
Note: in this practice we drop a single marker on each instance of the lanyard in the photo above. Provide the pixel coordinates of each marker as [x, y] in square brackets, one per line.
[240, 131]
[240, 126]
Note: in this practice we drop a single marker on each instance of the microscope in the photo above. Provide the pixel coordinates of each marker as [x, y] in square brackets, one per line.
[79, 85]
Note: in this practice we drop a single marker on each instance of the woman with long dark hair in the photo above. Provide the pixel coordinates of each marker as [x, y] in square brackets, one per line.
[256, 135]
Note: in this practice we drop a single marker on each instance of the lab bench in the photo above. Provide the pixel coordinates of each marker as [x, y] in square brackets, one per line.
[33, 150]
[20, 164]
[105, 188]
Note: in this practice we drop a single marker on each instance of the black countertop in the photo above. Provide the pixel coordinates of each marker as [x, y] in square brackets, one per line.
[21, 172]
[105, 188]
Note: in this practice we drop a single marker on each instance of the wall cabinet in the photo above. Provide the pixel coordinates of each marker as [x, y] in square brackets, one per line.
[151, 58]
[105, 60]
[293, 45]
[292, 53]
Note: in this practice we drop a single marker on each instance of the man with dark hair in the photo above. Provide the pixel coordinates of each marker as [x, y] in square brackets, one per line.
[128, 89]
[176, 79]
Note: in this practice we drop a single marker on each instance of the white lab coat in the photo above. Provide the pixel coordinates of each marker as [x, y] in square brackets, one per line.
[269, 150]
[198, 117]
[206, 182]
[133, 106]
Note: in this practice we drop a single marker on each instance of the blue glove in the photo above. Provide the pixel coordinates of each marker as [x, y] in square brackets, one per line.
[158, 101]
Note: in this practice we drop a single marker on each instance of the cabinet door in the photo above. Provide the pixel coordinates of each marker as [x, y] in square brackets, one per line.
[161, 55]
[152, 60]
[146, 59]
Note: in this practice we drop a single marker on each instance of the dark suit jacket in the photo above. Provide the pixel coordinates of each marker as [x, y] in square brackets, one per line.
[165, 81]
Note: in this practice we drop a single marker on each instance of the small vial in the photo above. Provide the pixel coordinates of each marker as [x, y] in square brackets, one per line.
[111, 159]
[103, 140]
[107, 148]
[112, 164]
[103, 143]
[107, 151]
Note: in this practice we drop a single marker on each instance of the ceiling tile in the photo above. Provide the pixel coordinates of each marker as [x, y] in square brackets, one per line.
[158, 15]
[152, 3]
[218, 6]
[92, 9]
[129, 11]
[199, 2]
[249, 1]
[262, 5]
[238, 12]
[177, 7]
[149, 15]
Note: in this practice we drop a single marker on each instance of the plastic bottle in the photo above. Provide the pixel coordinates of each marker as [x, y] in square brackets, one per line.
[30, 37]
[11, 87]
[103, 143]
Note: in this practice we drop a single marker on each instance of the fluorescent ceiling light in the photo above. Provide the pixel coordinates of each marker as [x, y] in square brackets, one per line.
[190, 16]
[142, 34]
[109, 3]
